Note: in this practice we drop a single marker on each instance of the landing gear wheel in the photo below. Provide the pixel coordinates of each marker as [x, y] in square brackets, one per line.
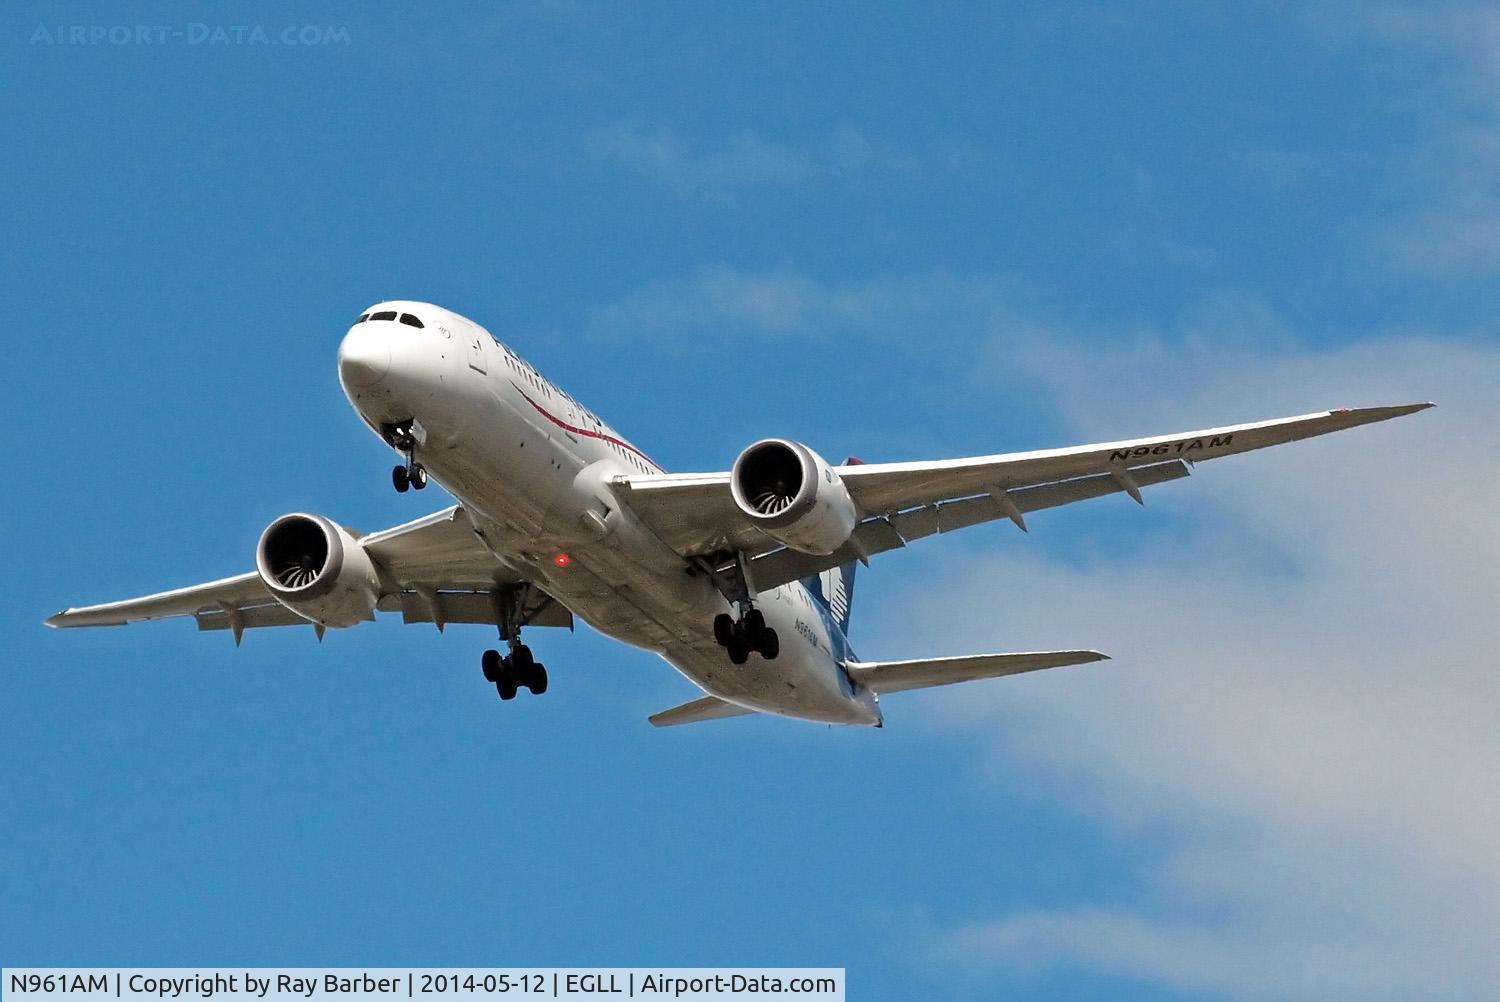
[506, 683]
[723, 629]
[418, 476]
[739, 651]
[768, 644]
[521, 658]
[755, 624]
[401, 479]
[491, 665]
[537, 683]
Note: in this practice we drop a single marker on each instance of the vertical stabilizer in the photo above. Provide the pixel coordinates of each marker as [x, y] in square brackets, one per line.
[834, 590]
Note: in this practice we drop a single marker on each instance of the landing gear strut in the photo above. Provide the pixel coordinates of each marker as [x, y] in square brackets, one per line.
[411, 474]
[513, 672]
[748, 633]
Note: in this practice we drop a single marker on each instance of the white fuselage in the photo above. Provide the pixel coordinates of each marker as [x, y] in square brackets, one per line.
[533, 469]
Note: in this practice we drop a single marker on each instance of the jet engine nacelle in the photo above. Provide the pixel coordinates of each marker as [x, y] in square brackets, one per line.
[793, 496]
[318, 570]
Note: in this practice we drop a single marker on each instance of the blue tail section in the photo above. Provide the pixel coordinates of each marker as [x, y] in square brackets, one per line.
[834, 591]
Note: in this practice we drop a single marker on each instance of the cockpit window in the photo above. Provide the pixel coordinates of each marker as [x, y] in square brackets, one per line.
[384, 315]
[362, 318]
[411, 321]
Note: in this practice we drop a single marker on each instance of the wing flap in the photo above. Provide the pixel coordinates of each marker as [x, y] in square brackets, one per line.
[707, 708]
[446, 607]
[902, 676]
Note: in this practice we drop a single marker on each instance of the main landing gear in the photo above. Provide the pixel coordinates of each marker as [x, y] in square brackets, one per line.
[411, 474]
[748, 633]
[517, 669]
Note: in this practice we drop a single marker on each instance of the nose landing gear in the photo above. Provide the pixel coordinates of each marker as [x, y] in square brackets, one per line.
[748, 633]
[411, 474]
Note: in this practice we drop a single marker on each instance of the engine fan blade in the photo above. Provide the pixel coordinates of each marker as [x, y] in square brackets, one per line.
[771, 502]
[298, 574]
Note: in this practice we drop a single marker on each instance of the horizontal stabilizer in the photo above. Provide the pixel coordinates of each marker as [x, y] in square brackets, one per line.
[707, 708]
[899, 676]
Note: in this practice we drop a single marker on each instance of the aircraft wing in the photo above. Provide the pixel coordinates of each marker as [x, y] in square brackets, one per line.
[433, 570]
[695, 513]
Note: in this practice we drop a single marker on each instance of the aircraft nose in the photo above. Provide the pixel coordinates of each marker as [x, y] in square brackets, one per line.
[364, 356]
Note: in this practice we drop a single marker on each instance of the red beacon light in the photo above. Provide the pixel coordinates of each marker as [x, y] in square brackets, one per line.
[562, 560]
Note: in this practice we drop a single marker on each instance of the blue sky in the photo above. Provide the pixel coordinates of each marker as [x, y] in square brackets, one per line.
[894, 231]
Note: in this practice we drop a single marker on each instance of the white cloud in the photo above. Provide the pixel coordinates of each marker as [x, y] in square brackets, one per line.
[751, 158]
[1313, 736]
[785, 302]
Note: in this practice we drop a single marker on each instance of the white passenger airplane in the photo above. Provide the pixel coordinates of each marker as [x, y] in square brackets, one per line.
[560, 516]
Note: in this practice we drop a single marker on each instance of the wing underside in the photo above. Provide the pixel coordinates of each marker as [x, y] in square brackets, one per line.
[695, 513]
[434, 570]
